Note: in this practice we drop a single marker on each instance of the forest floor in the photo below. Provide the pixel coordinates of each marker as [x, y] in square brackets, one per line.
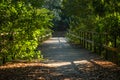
[62, 62]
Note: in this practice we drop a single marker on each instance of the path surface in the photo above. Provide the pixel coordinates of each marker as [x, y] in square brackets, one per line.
[76, 63]
[62, 62]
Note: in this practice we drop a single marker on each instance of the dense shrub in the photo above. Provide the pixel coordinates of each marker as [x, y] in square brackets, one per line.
[21, 26]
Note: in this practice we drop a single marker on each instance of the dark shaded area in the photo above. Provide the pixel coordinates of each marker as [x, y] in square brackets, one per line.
[47, 73]
[60, 26]
[59, 33]
[25, 73]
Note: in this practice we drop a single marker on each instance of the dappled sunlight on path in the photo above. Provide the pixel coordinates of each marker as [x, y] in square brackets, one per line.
[62, 62]
[69, 60]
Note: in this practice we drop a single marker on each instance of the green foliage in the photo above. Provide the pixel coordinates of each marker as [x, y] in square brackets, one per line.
[79, 13]
[108, 20]
[96, 15]
[55, 7]
[99, 16]
[21, 27]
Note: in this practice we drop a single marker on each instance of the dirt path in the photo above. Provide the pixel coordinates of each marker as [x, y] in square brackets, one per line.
[76, 63]
[62, 62]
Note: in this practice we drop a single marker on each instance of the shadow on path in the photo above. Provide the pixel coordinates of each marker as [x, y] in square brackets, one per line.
[77, 62]
[62, 62]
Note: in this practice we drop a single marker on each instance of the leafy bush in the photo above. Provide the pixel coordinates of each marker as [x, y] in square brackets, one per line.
[21, 27]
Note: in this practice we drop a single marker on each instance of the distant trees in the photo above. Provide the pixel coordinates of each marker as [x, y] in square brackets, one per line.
[80, 13]
[60, 19]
